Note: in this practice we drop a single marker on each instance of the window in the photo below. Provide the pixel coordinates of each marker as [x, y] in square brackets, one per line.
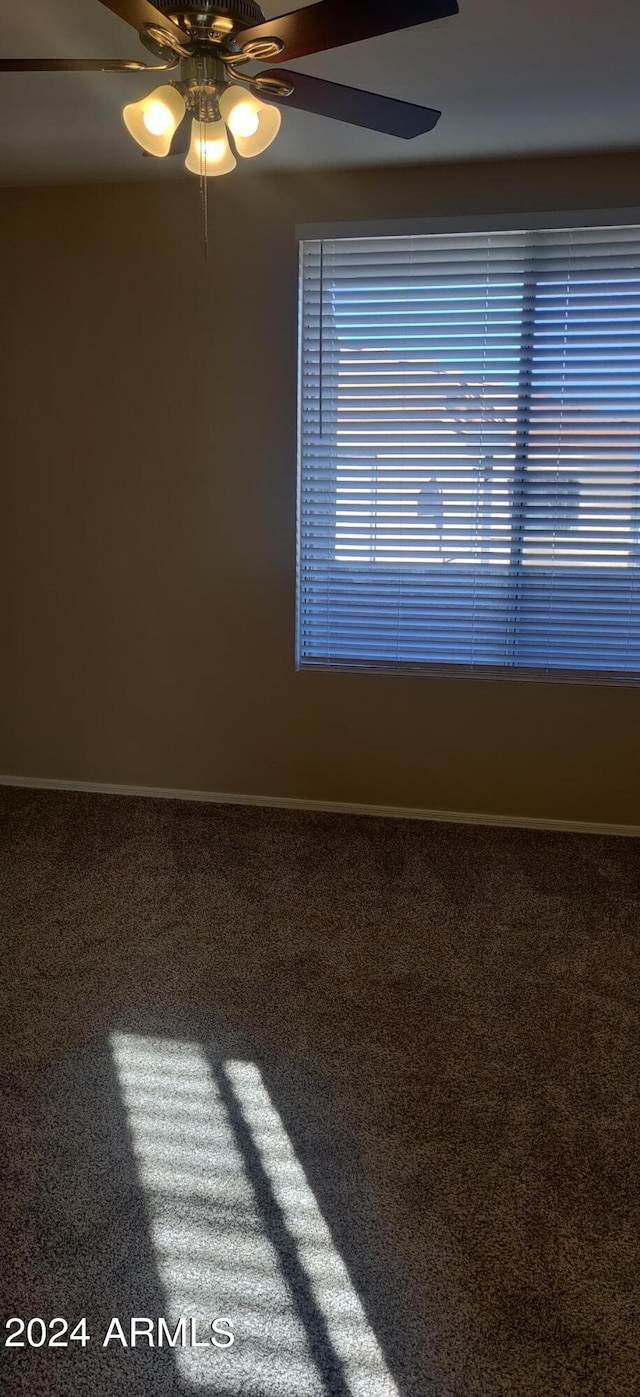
[470, 453]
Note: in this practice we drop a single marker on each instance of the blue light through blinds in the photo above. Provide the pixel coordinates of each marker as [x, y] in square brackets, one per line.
[470, 453]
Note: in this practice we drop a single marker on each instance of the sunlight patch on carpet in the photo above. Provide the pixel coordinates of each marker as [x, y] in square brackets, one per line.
[237, 1231]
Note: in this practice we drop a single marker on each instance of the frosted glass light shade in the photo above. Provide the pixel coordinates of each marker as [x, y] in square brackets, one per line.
[153, 122]
[210, 152]
[253, 124]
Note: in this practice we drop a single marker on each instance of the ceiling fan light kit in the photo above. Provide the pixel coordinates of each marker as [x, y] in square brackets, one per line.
[212, 41]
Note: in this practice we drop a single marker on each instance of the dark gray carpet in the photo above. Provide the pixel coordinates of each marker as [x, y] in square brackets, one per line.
[368, 1088]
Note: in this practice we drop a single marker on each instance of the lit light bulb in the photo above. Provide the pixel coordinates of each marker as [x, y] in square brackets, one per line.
[244, 120]
[253, 124]
[210, 152]
[158, 119]
[154, 121]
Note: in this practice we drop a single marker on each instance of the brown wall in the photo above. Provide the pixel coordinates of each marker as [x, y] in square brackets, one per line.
[148, 514]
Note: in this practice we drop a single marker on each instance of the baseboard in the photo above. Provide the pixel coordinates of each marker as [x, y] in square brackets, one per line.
[332, 807]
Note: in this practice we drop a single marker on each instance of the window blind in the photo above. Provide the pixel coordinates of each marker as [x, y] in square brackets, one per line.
[470, 453]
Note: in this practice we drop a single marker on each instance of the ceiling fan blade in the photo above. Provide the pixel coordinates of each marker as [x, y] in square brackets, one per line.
[139, 14]
[77, 65]
[332, 23]
[352, 105]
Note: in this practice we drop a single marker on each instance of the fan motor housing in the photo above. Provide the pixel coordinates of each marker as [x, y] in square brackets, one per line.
[241, 13]
[206, 25]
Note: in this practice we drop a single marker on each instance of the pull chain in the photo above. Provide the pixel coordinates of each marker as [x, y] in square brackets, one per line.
[204, 183]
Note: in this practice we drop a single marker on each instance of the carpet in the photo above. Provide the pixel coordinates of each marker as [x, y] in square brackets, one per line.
[361, 1093]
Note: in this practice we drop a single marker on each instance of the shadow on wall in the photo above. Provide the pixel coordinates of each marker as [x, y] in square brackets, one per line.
[155, 1178]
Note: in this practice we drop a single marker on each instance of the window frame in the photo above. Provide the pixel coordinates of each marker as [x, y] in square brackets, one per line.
[480, 223]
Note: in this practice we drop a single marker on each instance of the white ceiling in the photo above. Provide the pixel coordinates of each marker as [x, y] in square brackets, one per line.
[512, 77]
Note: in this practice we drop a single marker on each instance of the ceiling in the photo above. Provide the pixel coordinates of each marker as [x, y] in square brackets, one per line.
[512, 77]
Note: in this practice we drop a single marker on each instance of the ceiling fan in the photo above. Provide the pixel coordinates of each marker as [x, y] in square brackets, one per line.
[212, 41]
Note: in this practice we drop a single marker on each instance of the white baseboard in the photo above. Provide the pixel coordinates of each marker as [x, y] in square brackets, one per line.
[332, 807]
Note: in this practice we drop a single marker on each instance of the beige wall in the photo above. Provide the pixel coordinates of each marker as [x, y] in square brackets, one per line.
[148, 514]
